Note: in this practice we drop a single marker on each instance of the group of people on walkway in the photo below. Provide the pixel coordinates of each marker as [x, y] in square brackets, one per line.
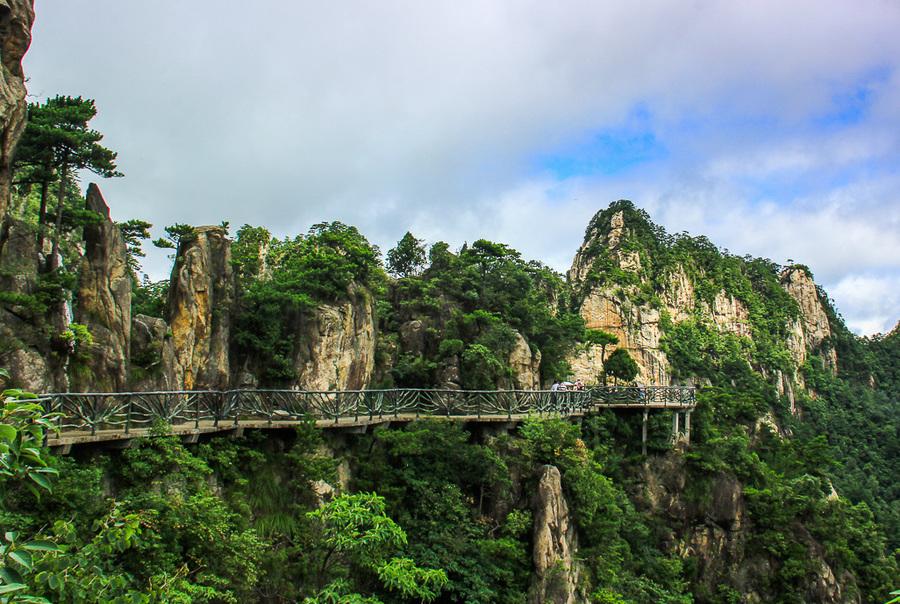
[557, 386]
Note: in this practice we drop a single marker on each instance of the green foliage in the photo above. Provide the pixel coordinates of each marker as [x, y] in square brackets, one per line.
[149, 298]
[477, 300]
[176, 234]
[134, 232]
[620, 366]
[23, 425]
[408, 257]
[330, 264]
[56, 144]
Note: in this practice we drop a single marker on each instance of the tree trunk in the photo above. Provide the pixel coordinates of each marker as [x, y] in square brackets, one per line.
[63, 173]
[603, 363]
[42, 214]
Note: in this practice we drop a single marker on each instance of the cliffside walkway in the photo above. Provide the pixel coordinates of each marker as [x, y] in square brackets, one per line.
[103, 417]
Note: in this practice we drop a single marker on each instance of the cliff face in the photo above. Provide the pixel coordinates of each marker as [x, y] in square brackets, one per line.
[525, 364]
[153, 363]
[716, 535]
[24, 347]
[335, 347]
[104, 300]
[16, 17]
[555, 578]
[200, 294]
[811, 329]
[623, 307]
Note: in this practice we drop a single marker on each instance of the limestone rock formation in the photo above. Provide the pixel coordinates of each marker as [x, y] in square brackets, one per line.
[200, 294]
[24, 346]
[336, 345]
[152, 355]
[621, 308]
[526, 365]
[104, 300]
[812, 329]
[555, 579]
[16, 17]
[715, 533]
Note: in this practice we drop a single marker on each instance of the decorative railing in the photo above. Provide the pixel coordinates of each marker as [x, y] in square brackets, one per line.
[127, 411]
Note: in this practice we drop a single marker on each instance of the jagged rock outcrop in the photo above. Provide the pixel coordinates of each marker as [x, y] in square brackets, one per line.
[201, 291]
[335, 347]
[714, 533]
[812, 328]
[555, 578]
[525, 364]
[153, 364]
[25, 350]
[16, 17]
[623, 309]
[104, 301]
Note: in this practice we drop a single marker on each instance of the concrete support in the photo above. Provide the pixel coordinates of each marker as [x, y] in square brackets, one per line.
[687, 426]
[644, 432]
[675, 430]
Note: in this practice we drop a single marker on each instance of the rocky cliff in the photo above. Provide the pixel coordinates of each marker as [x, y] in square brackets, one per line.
[525, 364]
[555, 578]
[717, 535]
[16, 17]
[200, 294]
[335, 347]
[103, 301]
[632, 283]
[25, 349]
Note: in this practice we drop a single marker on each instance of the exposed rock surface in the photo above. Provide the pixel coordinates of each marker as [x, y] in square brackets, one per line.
[526, 365]
[24, 347]
[104, 300]
[200, 295]
[714, 533]
[16, 17]
[336, 345]
[812, 328]
[612, 308]
[555, 578]
[152, 355]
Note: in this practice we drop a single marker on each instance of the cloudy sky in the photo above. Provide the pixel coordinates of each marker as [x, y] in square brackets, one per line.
[771, 127]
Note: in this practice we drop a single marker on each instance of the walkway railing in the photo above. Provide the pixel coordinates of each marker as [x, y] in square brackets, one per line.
[126, 411]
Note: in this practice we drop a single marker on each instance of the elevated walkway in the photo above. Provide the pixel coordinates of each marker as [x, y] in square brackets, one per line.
[108, 417]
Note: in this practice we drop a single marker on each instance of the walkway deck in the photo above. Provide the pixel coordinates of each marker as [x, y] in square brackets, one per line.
[107, 417]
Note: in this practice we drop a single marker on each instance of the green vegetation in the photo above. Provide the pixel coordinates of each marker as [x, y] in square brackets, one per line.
[57, 142]
[281, 281]
[470, 305]
[435, 512]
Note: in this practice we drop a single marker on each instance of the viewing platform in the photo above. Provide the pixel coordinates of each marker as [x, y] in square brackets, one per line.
[107, 417]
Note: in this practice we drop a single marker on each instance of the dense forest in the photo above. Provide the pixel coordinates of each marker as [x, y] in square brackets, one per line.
[787, 492]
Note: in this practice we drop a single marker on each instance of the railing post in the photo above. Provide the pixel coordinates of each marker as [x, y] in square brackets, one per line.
[128, 416]
[675, 426]
[197, 412]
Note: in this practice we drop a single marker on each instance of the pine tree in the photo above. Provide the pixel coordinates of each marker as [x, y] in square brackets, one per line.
[57, 142]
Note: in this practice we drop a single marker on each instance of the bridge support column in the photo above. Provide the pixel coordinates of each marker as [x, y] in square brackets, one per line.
[675, 427]
[644, 432]
[687, 426]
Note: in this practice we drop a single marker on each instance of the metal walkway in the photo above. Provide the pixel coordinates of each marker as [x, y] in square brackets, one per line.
[103, 417]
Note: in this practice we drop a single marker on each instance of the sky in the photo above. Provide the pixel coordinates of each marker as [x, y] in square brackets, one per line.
[772, 128]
